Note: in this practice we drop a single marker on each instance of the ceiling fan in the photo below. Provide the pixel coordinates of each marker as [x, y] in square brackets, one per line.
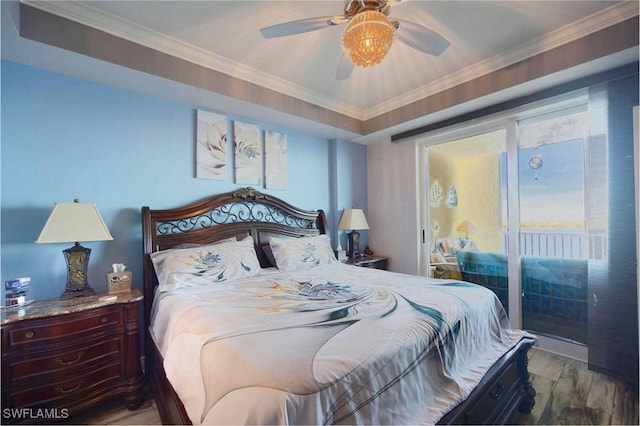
[369, 33]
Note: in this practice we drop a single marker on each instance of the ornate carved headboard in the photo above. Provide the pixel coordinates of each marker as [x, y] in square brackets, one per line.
[237, 213]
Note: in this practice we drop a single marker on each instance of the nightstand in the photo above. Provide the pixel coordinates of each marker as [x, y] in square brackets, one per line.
[60, 357]
[375, 262]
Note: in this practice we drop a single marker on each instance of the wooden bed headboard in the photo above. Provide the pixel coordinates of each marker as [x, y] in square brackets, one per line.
[238, 213]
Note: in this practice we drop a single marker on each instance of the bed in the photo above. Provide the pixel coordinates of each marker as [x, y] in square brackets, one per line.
[317, 342]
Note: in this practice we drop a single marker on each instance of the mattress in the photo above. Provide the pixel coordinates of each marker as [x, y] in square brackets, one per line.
[332, 344]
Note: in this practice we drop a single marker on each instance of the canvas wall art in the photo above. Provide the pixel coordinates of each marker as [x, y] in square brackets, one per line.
[247, 153]
[211, 145]
[275, 160]
[254, 159]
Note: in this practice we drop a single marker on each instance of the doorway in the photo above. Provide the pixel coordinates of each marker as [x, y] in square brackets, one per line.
[467, 210]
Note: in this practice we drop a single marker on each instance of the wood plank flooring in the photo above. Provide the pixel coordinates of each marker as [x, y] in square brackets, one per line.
[567, 393]
[115, 412]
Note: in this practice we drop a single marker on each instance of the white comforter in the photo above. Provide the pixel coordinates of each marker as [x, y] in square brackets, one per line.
[335, 344]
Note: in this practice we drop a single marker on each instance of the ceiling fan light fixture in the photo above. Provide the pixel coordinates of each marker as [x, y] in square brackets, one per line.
[368, 38]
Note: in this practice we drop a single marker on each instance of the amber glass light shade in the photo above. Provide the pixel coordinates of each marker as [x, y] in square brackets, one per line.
[368, 38]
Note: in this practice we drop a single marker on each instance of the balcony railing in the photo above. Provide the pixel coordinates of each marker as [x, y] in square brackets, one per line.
[563, 244]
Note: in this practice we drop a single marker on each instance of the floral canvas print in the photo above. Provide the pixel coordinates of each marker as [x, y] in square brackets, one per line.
[211, 146]
[247, 153]
[275, 160]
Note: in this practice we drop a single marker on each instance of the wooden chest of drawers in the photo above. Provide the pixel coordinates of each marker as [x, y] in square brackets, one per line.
[61, 357]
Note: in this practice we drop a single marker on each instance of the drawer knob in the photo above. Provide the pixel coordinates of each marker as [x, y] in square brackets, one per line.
[60, 361]
[497, 392]
[103, 320]
[29, 334]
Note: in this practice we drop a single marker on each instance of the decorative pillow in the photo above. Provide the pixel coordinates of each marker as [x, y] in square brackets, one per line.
[297, 254]
[204, 265]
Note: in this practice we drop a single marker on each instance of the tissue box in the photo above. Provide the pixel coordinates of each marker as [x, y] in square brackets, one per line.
[342, 255]
[119, 282]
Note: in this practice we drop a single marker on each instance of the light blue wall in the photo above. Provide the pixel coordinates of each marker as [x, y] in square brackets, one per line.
[351, 179]
[65, 138]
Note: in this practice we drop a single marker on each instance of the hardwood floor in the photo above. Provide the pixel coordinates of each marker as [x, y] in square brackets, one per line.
[566, 393]
[115, 412]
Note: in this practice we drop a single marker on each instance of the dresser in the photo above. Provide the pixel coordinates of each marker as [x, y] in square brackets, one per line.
[61, 357]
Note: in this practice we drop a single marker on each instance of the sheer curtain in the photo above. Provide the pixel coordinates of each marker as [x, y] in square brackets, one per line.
[613, 281]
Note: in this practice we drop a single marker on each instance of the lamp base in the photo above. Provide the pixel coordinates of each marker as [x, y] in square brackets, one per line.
[354, 244]
[83, 292]
[77, 258]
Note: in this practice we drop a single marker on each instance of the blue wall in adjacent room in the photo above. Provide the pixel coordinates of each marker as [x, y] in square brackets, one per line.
[66, 138]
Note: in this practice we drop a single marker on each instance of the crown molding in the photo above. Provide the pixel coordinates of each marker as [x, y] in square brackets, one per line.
[83, 13]
[610, 16]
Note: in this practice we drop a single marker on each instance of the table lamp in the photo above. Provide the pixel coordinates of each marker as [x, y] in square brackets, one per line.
[465, 228]
[74, 222]
[353, 219]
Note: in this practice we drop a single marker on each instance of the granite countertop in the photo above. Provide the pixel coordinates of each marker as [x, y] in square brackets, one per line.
[45, 308]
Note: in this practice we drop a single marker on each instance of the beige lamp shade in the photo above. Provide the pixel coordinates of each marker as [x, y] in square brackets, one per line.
[353, 219]
[466, 227]
[74, 222]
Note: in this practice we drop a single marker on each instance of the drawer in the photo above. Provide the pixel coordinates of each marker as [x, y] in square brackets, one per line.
[496, 398]
[64, 392]
[61, 362]
[64, 329]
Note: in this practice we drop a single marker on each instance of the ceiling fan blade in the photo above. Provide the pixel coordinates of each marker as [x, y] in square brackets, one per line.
[337, 20]
[421, 38]
[345, 68]
[300, 26]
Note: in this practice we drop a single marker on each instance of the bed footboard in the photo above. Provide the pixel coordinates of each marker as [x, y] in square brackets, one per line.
[504, 389]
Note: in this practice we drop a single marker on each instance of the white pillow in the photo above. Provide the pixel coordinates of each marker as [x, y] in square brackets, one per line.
[296, 254]
[205, 265]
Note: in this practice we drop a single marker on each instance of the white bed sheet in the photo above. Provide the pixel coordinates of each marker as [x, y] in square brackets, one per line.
[335, 344]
